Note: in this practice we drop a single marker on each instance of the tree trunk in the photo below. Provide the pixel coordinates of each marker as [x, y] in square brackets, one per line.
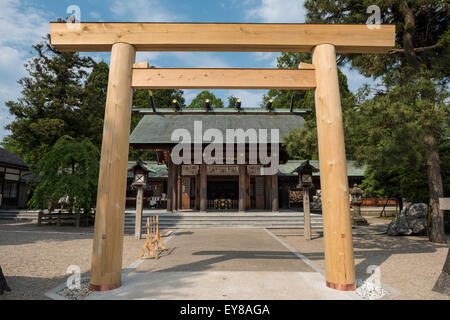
[436, 231]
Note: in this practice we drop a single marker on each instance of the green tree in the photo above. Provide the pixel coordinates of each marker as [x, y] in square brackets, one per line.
[69, 169]
[402, 123]
[141, 100]
[52, 94]
[302, 143]
[396, 182]
[232, 102]
[199, 101]
[92, 111]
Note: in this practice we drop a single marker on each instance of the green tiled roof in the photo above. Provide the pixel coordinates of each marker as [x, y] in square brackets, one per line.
[155, 170]
[157, 128]
[288, 168]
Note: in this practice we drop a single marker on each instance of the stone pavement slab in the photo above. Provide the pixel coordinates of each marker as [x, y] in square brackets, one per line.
[223, 264]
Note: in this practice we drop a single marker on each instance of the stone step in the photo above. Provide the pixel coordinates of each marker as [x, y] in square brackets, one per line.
[163, 220]
[227, 221]
[132, 221]
[19, 215]
[195, 220]
[199, 226]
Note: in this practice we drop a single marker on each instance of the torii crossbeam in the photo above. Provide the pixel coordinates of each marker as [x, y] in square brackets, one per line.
[124, 39]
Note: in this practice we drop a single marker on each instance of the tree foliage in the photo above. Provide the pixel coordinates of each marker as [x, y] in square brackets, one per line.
[141, 100]
[52, 95]
[402, 122]
[232, 102]
[69, 170]
[199, 101]
[302, 143]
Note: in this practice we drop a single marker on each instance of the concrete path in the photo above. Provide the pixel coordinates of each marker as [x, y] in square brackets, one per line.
[223, 264]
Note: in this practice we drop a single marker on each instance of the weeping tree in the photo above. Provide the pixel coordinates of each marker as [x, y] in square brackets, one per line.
[68, 171]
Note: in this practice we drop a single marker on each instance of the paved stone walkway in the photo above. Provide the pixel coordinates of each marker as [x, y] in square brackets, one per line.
[222, 264]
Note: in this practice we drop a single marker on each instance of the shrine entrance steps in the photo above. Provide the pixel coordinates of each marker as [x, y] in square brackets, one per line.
[225, 219]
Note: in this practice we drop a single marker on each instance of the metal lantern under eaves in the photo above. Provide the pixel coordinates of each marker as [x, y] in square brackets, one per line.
[305, 174]
[140, 174]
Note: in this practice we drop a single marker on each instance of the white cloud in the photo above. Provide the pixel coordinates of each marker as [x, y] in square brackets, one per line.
[11, 63]
[270, 58]
[22, 26]
[149, 57]
[200, 60]
[143, 11]
[356, 80]
[250, 99]
[281, 11]
[95, 15]
[189, 95]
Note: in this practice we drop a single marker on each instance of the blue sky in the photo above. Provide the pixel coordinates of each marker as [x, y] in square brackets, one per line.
[24, 22]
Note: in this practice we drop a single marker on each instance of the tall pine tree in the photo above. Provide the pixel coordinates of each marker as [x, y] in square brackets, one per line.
[404, 122]
[52, 95]
[302, 143]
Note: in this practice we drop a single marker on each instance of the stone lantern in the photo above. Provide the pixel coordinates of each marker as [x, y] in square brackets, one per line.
[305, 181]
[140, 176]
[356, 201]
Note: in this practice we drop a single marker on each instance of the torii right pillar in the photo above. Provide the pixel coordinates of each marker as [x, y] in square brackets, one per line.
[339, 258]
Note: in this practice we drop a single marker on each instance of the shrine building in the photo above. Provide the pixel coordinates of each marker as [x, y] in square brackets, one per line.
[228, 186]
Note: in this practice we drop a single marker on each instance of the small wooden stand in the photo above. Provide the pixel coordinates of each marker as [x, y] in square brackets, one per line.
[153, 242]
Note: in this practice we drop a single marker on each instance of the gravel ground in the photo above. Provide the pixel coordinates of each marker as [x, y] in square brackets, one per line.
[410, 265]
[35, 258]
[76, 293]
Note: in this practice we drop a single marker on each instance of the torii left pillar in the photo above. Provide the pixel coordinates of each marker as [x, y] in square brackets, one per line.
[106, 268]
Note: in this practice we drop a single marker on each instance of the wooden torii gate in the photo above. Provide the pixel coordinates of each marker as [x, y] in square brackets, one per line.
[124, 39]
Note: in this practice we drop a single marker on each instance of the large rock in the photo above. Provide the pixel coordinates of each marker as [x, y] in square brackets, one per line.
[316, 204]
[411, 221]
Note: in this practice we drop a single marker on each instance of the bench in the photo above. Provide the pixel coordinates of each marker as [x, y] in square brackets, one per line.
[65, 218]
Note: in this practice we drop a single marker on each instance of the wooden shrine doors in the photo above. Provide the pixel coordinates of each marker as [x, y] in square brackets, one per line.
[259, 193]
[186, 193]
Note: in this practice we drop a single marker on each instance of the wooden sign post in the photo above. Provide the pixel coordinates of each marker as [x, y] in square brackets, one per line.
[124, 39]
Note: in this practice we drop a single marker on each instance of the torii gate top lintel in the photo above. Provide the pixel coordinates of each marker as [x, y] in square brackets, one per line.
[238, 37]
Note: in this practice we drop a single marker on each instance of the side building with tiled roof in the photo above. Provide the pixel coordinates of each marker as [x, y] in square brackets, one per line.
[13, 187]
